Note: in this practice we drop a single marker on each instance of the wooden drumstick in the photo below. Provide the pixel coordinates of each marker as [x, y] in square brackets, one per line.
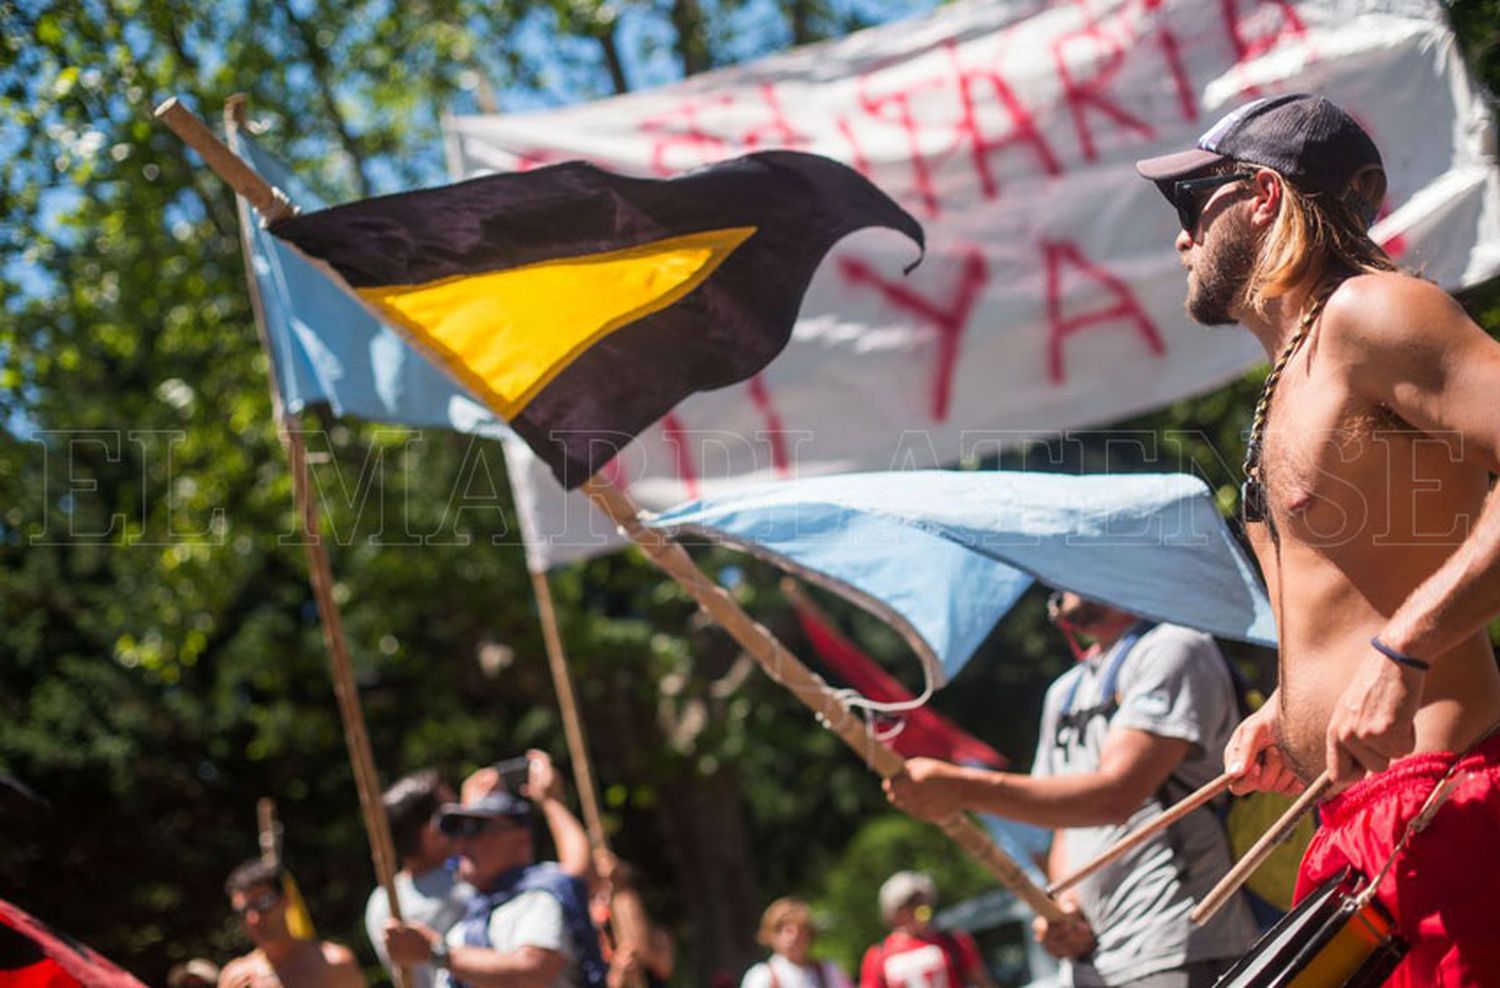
[1256, 856]
[1139, 836]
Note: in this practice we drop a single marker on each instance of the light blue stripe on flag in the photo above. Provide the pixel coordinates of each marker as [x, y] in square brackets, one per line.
[328, 348]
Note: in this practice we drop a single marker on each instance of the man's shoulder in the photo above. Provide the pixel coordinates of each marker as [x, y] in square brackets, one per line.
[1178, 637]
[336, 954]
[377, 905]
[343, 967]
[531, 906]
[1378, 313]
[1172, 648]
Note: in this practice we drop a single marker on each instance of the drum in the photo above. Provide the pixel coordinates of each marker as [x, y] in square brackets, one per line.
[1331, 939]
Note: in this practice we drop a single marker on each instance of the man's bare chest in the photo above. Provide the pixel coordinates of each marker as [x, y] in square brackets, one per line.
[1340, 471]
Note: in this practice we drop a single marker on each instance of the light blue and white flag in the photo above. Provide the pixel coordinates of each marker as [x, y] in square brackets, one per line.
[943, 555]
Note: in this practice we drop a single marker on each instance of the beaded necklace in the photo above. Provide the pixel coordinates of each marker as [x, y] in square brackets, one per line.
[1253, 491]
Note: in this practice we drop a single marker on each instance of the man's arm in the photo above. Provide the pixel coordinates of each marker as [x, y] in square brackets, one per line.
[1132, 766]
[1072, 937]
[544, 785]
[1408, 346]
[526, 967]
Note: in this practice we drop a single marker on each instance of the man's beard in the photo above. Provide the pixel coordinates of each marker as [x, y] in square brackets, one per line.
[1222, 272]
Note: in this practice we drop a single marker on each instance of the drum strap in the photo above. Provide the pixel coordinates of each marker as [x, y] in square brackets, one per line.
[1445, 787]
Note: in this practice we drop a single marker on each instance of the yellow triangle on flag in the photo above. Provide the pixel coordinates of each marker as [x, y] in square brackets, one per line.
[508, 333]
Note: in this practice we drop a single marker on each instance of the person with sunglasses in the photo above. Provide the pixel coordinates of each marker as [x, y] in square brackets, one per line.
[1139, 721]
[279, 960]
[1369, 502]
[527, 922]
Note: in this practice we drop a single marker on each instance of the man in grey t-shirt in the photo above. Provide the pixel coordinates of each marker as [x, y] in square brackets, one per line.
[427, 890]
[1105, 764]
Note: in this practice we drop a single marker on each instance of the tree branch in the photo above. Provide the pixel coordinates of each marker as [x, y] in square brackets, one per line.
[692, 45]
[605, 35]
[321, 69]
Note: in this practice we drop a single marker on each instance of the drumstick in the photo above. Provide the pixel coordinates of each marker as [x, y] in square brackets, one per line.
[1256, 856]
[1139, 836]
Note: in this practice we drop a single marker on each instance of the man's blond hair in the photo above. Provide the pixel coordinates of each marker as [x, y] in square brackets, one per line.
[1314, 236]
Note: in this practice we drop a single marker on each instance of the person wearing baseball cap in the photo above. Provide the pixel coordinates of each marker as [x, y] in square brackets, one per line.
[527, 922]
[1368, 501]
[916, 953]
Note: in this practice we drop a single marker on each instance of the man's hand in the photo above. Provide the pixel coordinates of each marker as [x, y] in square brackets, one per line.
[625, 969]
[408, 944]
[479, 784]
[1372, 723]
[1253, 759]
[1068, 938]
[926, 789]
[542, 780]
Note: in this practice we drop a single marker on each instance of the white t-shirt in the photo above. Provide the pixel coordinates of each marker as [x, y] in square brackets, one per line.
[789, 975]
[434, 898]
[531, 919]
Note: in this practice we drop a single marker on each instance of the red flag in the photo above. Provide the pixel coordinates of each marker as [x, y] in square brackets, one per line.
[926, 733]
[33, 955]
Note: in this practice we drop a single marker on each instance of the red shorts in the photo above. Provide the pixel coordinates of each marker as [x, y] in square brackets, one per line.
[1444, 889]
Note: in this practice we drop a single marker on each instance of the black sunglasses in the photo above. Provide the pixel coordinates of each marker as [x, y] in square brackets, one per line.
[261, 903]
[1188, 197]
[472, 826]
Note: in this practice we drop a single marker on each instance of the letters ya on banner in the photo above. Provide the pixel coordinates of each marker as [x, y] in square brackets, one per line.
[1051, 297]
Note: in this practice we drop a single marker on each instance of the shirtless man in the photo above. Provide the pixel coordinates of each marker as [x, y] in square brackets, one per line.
[279, 960]
[1369, 506]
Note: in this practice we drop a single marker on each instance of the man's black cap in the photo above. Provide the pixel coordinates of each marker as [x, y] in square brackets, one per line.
[492, 805]
[1306, 138]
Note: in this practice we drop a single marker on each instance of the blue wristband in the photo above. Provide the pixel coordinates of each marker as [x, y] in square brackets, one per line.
[1400, 658]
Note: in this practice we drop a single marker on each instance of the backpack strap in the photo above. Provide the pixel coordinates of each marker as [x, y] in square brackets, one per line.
[1109, 698]
[953, 953]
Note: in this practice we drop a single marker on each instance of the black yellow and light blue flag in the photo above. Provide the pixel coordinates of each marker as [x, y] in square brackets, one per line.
[580, 305]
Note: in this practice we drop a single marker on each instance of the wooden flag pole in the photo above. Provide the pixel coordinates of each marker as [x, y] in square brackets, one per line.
[567, 703]
[782, 666]
[266, 827]
[273, 204]
[268, 200]
[627, 914]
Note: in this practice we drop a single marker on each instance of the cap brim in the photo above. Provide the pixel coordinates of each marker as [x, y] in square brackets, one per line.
[1177, 165]
[459, 809]
[477, 813]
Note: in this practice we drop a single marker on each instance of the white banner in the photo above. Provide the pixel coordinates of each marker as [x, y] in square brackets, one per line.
[1051, 297]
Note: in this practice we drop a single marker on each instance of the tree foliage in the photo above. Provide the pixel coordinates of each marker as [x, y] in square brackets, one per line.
[161, 663]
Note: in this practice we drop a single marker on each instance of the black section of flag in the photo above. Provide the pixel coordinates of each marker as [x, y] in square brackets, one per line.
[724, 331]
